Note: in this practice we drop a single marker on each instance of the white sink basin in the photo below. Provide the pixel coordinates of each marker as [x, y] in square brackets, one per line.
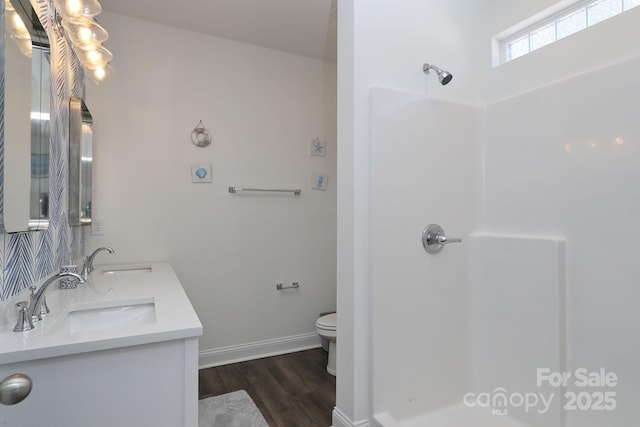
[127, 270]
[109, 316]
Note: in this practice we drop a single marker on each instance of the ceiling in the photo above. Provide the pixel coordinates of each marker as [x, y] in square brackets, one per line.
[301, 27]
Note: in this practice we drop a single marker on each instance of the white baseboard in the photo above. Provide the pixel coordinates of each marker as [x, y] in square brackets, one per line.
[341, 420]
[257, 350]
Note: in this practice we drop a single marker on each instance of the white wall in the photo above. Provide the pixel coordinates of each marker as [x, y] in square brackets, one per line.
[262, 108]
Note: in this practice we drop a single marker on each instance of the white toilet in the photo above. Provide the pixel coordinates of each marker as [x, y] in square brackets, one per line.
[326, 328]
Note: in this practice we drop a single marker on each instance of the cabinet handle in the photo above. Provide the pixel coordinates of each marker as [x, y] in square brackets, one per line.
[14, 389]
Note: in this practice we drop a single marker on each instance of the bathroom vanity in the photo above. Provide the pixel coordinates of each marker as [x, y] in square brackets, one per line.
[121, 350]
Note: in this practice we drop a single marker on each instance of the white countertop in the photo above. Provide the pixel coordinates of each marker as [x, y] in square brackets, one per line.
[175, 317]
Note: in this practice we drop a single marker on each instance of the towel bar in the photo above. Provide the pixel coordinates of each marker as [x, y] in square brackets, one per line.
[295, 191]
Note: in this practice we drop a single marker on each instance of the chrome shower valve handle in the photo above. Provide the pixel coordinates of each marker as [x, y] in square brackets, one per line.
[443, 240]
[433, 238]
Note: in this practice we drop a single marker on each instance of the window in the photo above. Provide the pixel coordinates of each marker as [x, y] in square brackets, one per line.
[568, 21]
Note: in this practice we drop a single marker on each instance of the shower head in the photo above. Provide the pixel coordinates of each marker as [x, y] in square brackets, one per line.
[444, 76]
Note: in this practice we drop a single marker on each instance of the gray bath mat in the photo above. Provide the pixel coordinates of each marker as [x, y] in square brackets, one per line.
[230, 410]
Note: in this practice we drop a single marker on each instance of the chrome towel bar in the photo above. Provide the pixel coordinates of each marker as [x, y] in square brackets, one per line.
[295, 191]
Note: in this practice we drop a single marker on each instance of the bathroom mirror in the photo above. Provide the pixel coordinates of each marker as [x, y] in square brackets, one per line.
[80, 162]
[26, 106]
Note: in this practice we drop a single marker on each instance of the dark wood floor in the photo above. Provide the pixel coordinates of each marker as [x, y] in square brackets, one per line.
[292, 390]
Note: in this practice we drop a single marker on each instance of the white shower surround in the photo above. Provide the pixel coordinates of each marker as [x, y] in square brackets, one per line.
[568, 78]
[422, 172]
[534, 289]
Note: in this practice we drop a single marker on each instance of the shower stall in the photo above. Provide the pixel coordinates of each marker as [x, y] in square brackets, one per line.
[532, 320]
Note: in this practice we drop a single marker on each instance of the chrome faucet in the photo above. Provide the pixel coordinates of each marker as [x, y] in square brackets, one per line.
[87, 265]
[37, 300]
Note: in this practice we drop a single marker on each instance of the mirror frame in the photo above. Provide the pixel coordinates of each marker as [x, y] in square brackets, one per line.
[80, 163]
[21, 168]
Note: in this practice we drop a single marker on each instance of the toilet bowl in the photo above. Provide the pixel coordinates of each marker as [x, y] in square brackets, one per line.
[326, 328]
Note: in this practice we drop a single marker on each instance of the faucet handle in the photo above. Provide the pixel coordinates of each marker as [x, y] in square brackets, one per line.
[44, 308]
[84, 269]
[24, 320]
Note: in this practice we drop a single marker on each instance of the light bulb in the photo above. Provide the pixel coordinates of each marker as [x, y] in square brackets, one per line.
[74, 8]
[70, 9]
[94, 56]
[84, 34]
[100, 73]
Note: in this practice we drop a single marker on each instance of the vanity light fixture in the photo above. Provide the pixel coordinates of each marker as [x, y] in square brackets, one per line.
[86, 36]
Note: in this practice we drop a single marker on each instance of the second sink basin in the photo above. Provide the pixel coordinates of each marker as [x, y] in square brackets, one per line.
[133, 269]
[109, 316]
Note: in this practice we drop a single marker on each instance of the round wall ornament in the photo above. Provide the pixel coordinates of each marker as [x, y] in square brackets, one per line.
[200, 136]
